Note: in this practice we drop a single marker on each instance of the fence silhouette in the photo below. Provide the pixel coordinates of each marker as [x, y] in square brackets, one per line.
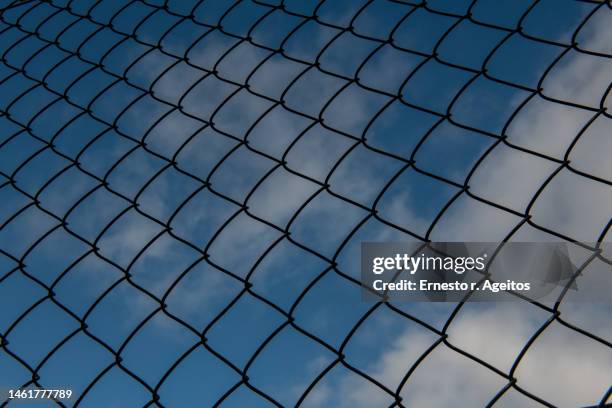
[24, 29]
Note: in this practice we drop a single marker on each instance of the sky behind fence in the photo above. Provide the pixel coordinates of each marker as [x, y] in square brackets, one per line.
[184, 188]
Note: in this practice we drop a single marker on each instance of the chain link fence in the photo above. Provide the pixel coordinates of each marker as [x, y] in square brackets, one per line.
[193, 93]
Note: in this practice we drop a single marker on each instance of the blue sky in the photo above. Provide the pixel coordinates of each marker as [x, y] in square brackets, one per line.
[194, 184]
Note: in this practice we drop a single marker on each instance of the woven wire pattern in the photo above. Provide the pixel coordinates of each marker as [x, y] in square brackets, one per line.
[24, 38]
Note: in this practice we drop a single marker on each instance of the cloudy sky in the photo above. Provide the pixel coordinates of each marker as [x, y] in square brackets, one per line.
[184, 188]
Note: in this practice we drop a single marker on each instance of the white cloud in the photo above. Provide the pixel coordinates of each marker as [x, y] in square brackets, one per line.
[591, 153]
[562, 366]
[510, 177]
[547, 127]
[566, 368]
[495, 333]
[280, 196]
[571, 204]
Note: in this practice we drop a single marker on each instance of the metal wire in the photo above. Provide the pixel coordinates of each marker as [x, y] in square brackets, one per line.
[13, 13]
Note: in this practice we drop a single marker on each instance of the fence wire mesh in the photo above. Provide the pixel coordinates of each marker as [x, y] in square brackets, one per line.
[165, 79]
